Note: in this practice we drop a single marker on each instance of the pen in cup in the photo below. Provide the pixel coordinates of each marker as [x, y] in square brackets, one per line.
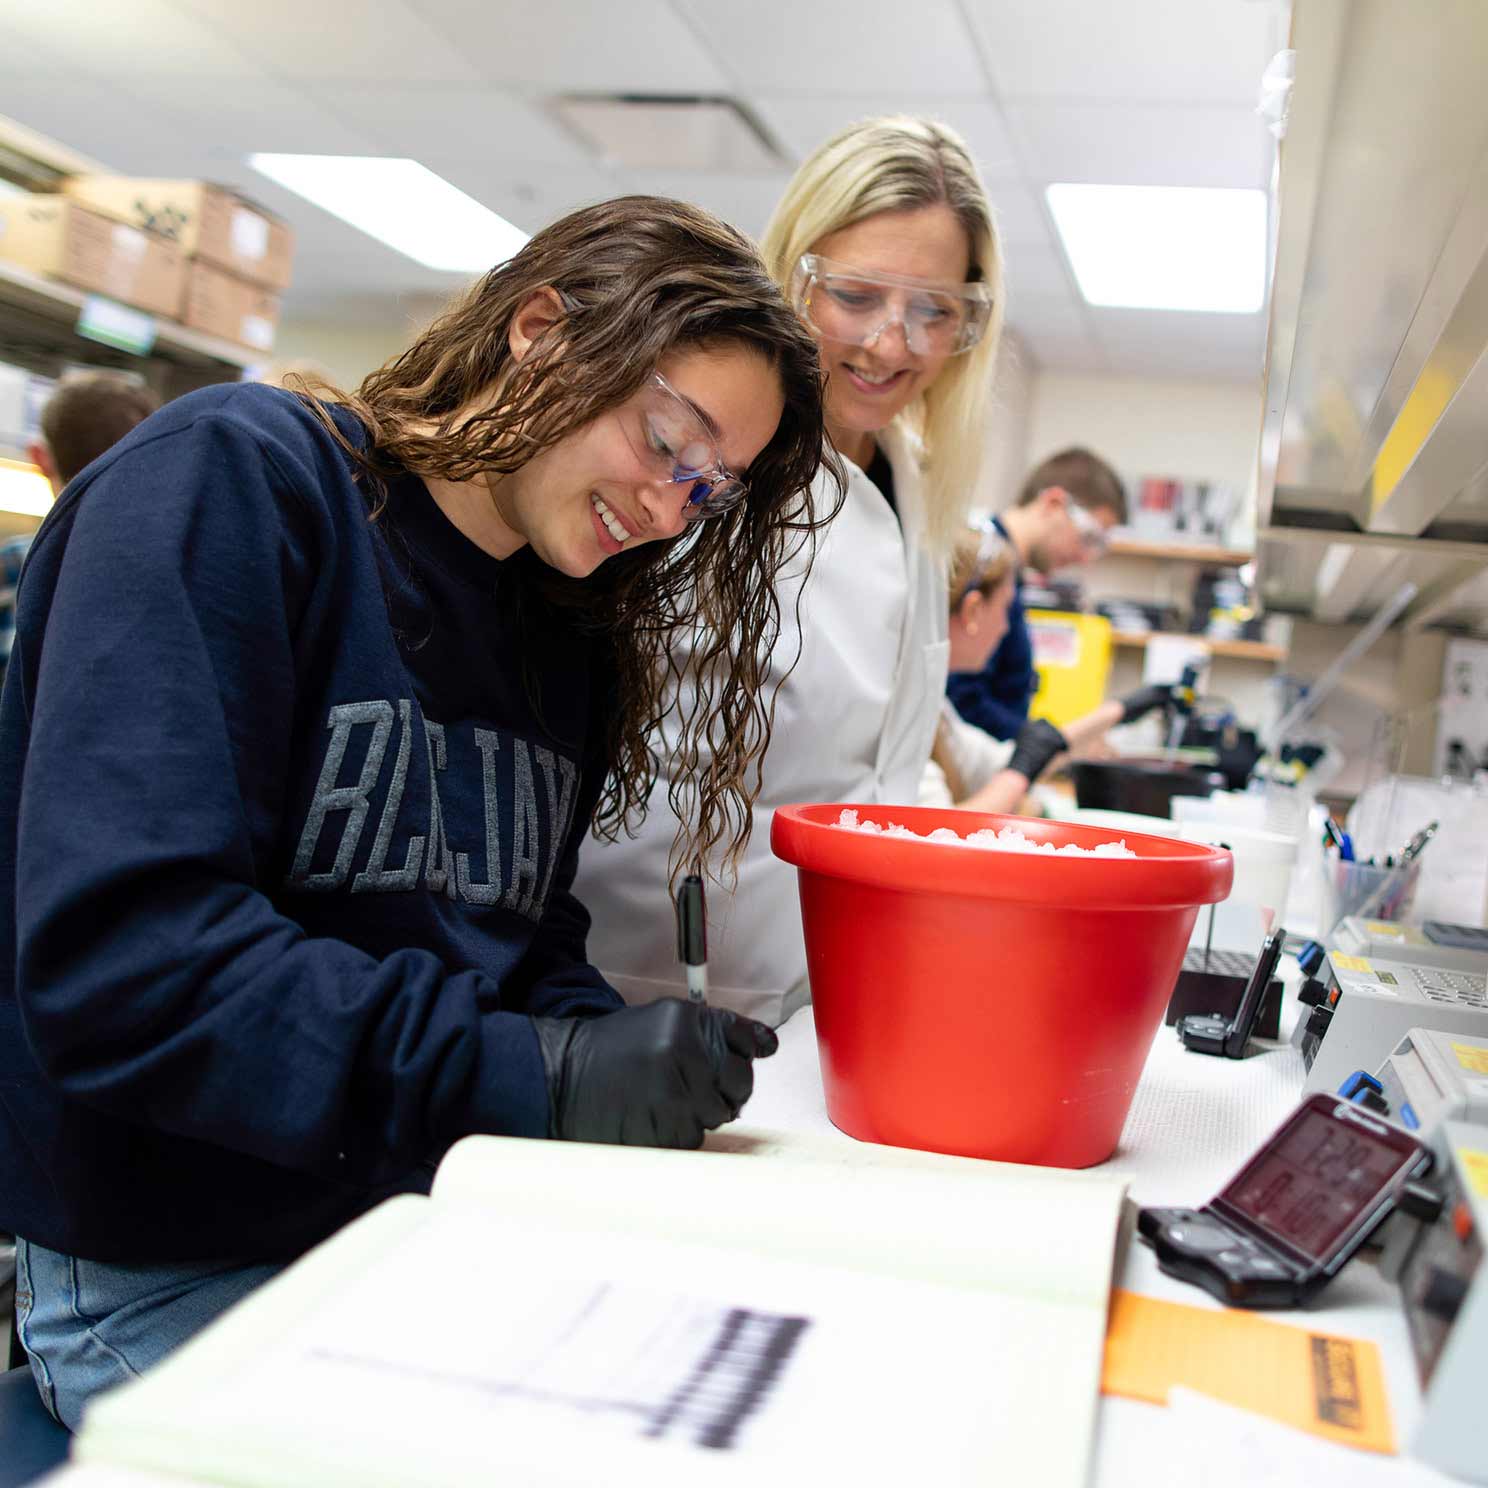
[692, 936]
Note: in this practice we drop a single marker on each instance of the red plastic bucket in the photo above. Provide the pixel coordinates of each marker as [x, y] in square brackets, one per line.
[983, 1003]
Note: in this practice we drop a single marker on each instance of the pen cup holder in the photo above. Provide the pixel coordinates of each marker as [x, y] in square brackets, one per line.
[1358, 888]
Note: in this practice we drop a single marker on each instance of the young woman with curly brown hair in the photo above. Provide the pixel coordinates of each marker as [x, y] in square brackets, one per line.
[313, 699]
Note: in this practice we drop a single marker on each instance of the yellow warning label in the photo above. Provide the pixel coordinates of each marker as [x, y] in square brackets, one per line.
[1384, 929]
[1349, 963]
[1475, 1165]
[1471, 1058]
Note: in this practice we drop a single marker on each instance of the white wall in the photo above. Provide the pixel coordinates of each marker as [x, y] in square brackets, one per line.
[349, 346]
[1188, 429]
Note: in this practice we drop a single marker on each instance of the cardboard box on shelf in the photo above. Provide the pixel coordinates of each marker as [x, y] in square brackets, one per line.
[221, 304]
[64, 240]
[209, 222]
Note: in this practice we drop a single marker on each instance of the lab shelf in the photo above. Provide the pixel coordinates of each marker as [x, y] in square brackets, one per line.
[1236, 650]
[1181, 552]
[58, 305]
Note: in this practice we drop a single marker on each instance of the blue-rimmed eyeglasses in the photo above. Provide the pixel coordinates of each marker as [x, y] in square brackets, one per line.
[670, 437]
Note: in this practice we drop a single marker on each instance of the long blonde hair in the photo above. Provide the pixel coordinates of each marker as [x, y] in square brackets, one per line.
[897, 164]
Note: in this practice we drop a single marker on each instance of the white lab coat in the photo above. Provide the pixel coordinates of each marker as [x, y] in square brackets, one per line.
[854, 721]
[974, 755]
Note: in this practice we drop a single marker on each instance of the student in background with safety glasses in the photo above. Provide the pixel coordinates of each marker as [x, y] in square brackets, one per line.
[314, 698]
[1063, 517]
[886, 244]
[968, 768]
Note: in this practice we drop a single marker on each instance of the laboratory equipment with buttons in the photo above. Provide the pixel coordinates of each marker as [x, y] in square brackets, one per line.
[1429, 1077]
[1452, 947]
[1361, 1008]
[1444, 1290]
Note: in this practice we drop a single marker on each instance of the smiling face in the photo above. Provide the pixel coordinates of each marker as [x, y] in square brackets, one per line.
[868, 386]
[592, 494]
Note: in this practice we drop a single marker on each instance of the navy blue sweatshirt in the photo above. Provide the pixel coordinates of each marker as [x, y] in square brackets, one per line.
[997, 698]
[286, 842]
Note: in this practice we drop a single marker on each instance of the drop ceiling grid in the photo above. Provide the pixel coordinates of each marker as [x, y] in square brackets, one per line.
[1042, 89]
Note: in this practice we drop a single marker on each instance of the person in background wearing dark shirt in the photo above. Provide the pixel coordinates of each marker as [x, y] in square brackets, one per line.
[88, 413]
[314, 699]
[1063, 516]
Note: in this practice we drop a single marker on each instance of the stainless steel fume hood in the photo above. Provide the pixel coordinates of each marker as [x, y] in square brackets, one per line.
[1374, 445]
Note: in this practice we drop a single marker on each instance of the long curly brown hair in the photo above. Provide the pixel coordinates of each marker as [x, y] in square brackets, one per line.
[639, 277]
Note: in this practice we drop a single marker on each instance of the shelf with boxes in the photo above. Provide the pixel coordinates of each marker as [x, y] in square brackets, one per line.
[60, 305]
[182, 270]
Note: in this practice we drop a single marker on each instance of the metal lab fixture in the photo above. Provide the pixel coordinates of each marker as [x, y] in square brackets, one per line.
[1374, 450]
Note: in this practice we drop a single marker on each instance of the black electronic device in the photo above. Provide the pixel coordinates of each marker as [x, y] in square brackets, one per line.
[1291, 1218]
[1462, 937]
[1212, 1033]
[1214, 981]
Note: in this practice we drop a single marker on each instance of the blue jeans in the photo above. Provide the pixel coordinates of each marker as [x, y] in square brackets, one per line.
[87, 1326]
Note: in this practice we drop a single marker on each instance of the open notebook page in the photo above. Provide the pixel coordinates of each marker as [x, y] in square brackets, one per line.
[1005, 1226]
[412, 1347]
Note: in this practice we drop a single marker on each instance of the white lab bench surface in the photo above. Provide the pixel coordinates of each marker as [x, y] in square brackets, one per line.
[1194, 1120]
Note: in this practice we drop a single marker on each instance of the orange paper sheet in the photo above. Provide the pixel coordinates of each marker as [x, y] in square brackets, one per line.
[1319, 1382]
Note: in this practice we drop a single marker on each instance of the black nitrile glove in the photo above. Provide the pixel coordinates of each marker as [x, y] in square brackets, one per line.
[1147, 700]
[653, 1076]
[1037, 743]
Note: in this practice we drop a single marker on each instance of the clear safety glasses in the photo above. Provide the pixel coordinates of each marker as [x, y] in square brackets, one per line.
[993, 545]
[845, 304]
[671, 438]
[1093, 535]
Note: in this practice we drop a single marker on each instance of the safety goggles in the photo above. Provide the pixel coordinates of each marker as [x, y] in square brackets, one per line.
[1093, 535]
[671, 438]
[847, 305]
[992, 546]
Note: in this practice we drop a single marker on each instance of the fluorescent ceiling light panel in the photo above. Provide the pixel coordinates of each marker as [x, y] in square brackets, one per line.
[401, 203]
[1165, 247]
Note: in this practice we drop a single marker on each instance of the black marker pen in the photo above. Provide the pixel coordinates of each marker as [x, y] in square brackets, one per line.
[692, 936]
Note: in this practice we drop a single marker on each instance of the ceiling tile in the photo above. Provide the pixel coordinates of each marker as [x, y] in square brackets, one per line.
[110, 37]
[300, 41]
[1021, 219]
[1047, 314]
[1056, 334]
[578, 46]
[1053, 349]
[454, 123]
[1031, 273]
[1172, 343]
[530, 198]
[801, 122]
[254, 114]
[743, 201]
[1188, 51]
[1139, 144]
[842, 46]
[95, 119]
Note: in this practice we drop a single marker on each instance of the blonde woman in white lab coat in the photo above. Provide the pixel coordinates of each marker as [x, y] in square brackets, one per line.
[886, 244]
